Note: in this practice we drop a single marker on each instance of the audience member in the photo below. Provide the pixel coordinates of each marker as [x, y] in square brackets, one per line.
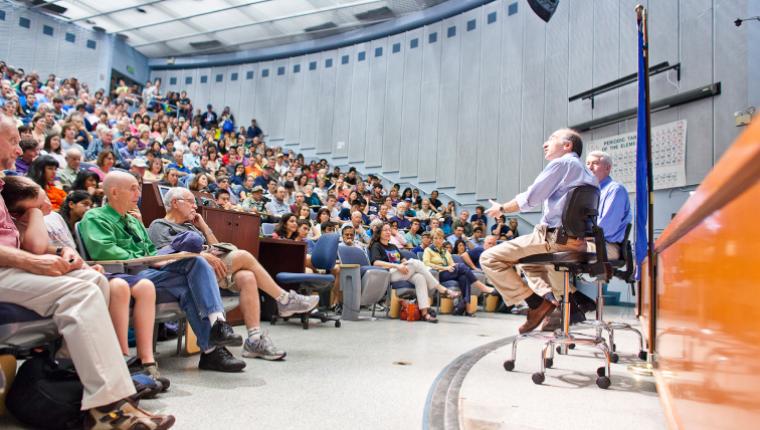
[384, 254]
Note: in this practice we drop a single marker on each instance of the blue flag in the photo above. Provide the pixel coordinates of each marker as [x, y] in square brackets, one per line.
[642, 131]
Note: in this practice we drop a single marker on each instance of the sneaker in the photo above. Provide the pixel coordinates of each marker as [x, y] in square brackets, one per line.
[222, 335]
[262, 348]
[127, 416]
[297, 304]
[152, 370]
[145, 386]
[221, 360]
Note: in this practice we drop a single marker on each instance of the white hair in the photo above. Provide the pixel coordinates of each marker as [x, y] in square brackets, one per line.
[73, 152]
[603, 156]
[173, 194]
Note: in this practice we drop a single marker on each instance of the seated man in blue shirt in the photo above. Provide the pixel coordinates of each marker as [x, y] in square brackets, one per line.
[564, 171]
[179, 164]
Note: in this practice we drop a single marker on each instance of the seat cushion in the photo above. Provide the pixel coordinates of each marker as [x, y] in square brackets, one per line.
[304, 278]
[12, 313]
[164, 296]
[564, 258]
[365, 269]
[401, 284]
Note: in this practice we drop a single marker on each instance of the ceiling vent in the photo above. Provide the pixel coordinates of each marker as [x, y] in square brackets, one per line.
[99, 29]
[321, 27]
[375, 14]
[50, 7]
[208, 44]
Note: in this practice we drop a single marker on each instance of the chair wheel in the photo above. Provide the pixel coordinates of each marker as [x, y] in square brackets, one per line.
[286, 319]
[509, 365]
[601, 371]
[558, 349]
[337, 324]
[305, 323]
[642, 355]
[323, 319]
[614, 347]
[273, 321]
[571, 346]
[603, 382]
[538, 378]
[614, 358]
[548, 363]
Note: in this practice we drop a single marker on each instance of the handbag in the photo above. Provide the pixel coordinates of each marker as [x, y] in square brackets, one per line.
[409, 311]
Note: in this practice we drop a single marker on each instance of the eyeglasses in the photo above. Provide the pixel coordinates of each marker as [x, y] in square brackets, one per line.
[188, 200]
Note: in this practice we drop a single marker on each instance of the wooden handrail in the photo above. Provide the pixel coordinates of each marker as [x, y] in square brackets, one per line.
[737, 171]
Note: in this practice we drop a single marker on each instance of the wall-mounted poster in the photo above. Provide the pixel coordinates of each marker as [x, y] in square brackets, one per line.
[668, 155]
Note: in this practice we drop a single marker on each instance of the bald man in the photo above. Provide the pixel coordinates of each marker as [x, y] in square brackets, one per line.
[111, 233]
[550, 189]
[52, 284]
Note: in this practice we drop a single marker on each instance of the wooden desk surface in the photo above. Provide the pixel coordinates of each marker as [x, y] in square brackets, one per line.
[279, 255]
[238, 228]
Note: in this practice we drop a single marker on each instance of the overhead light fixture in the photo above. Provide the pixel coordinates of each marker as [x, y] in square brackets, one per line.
[739, 21]
[544, 8]
[141, 10]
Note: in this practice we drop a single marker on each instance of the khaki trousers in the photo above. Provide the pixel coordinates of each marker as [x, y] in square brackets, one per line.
[499, 263]
[557, 279]
[80, 312]
[419, 275]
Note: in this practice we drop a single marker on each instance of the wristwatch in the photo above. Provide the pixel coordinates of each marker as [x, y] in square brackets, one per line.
[59, 251]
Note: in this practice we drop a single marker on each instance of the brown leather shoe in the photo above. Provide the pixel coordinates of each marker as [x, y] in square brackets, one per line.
[535, 316]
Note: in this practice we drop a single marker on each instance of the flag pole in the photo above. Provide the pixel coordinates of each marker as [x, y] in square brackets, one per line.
[646, 368]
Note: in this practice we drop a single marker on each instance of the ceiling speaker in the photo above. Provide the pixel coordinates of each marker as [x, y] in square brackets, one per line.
[544, 8]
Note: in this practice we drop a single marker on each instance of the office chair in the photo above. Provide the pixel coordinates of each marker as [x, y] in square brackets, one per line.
[578, 220]
[323, 259]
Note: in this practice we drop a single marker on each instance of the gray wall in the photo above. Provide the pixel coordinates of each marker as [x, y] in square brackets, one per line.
[32, 49]
[467, 113]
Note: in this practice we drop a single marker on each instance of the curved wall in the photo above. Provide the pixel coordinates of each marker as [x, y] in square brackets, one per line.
[463, 104]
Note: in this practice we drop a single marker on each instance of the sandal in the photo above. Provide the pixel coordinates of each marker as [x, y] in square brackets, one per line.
[429, 318]
[451, 294]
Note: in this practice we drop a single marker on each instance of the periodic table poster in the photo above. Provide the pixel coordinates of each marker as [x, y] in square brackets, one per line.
[668, 155]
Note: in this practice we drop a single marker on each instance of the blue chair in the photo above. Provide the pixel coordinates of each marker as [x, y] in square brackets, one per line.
[22, 330]
[267, 228]
[375, 281]
[323, 259]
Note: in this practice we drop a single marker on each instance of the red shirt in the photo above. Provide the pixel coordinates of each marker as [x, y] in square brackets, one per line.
[9, 235]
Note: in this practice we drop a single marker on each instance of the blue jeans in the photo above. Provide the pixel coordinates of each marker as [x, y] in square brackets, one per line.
[464, 277]
[193, 282]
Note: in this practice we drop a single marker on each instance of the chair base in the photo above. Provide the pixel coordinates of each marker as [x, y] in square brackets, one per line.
[304, 318]
[562, 342]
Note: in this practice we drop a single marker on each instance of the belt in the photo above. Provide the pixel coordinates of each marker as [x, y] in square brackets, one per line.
[553, 229]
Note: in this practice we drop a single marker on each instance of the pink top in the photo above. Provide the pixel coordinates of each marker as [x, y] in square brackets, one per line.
[9, 235]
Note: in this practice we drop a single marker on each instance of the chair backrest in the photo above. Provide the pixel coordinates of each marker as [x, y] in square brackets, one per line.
[409, 255]
[626, 254]
[352, 255]
[80, 243]
[267, 228]
[580, 212]
[325, 252]
[457, 258]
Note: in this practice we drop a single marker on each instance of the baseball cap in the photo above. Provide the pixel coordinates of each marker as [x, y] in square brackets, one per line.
[187, 241]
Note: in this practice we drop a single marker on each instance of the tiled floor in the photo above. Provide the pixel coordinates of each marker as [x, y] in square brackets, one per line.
[378, 374]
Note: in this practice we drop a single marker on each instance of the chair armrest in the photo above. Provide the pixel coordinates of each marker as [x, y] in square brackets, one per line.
[349, 266]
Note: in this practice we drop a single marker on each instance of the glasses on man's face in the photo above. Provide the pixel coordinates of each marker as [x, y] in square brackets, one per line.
[190, 201]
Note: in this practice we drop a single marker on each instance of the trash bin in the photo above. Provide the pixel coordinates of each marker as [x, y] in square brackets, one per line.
[351, 285]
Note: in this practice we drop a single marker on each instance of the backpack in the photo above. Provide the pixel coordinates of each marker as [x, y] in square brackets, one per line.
[47, 394]
[228, 126]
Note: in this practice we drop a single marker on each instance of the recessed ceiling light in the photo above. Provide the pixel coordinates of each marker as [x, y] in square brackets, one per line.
[141, 10]
[89, 21]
